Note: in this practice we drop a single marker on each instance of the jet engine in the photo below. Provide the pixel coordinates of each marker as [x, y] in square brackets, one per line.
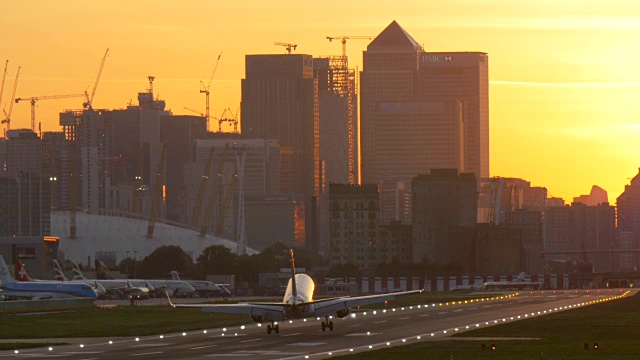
[342, 313]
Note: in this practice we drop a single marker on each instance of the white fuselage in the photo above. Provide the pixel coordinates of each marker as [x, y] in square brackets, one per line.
[305, 287]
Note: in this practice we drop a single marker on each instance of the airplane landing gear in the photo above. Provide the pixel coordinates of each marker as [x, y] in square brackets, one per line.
[275, 328]
[327, 324]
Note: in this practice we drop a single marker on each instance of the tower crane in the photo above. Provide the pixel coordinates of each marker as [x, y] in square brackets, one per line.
[7, 118]
[88, 104]
[287, 46]
[35, 99]
[205, 88]
[344, 39]
[231, 118]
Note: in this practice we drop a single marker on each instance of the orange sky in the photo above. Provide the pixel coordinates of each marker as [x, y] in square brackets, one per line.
[564, 91]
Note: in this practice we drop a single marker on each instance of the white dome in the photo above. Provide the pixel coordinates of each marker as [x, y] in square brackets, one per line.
[102, 233]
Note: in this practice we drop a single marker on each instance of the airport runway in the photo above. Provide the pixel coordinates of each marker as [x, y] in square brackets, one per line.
[304, 339]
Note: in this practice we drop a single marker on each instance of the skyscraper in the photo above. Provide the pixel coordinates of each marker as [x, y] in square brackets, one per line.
[405, 129]
[279, 101]
[462, 76]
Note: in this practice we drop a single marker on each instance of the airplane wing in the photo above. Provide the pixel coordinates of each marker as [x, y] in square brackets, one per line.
[271, 311]
[327, 307]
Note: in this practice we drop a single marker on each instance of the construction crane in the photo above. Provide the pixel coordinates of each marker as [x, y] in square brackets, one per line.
[151, 80]
[205, 88]
[88, 104]
[213, 196]
[197, 112]
[287, 46]
[7, 116]
[344, 39]
[195, 219]
[157, 192]
[4, 76]
[231, 118]
[35, 99]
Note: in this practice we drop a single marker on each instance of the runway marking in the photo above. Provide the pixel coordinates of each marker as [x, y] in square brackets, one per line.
[355, 325]
[362, 334]
[149, 353]
[202, 347]
[380, 322]
[440, 313]
[405, 318]
[81, 352]
[292, 334]
[307, 344]
[425, 315]
[250, 340]
[487, 306]
[473, 308]
[459, 310]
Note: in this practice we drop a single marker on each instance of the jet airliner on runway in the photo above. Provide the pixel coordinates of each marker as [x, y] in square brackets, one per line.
[298, 303]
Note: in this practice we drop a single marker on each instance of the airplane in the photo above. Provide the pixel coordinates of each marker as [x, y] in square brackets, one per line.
[23, 276]
[203, 287]
[297, 303]
[519, 283]
[41, 290]
[174, 287]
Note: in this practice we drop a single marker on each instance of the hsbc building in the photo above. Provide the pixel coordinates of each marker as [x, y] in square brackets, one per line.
[462, 76]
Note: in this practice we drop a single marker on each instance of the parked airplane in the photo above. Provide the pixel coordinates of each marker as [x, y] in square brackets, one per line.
[41, 290]
[519, 283]
[174, 287]
[23, 276]
[204, 288]
[298, 303]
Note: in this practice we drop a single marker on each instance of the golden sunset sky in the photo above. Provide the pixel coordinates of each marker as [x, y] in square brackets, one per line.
[564, 74]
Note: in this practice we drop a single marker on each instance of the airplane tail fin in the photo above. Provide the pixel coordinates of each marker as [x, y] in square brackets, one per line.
[57, 271]
[102, 271]
[521, 276]
[5, 275]
[294, 289]
[21, 271]
[175, 275]
[77, 273]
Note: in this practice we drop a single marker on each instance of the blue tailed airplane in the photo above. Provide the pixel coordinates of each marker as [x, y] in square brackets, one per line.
[38, 290]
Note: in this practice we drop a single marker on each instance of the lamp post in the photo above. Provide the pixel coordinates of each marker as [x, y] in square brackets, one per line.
[135, 259]
[128, 262]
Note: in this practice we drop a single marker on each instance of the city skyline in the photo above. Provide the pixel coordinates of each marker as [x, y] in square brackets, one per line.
[560, 77]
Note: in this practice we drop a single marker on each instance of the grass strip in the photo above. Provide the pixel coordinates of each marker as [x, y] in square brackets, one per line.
[614, 326]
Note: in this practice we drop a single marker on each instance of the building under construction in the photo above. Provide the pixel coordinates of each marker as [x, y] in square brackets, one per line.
[338, 110]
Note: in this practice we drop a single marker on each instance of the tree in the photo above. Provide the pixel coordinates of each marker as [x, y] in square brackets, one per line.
[163, 260]
[216, 260]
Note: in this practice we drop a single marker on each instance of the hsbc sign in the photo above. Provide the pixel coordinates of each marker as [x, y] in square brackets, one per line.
[437, 58]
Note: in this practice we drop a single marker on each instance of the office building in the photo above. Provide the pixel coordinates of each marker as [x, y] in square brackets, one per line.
[579, 234]
[628, 204]
[279, 101]
[419, 114]
[25, 203]
[56, 163]
[462, 76]
[441, 200]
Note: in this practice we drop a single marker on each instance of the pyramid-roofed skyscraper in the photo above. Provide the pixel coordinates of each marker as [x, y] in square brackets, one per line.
[417, 110]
